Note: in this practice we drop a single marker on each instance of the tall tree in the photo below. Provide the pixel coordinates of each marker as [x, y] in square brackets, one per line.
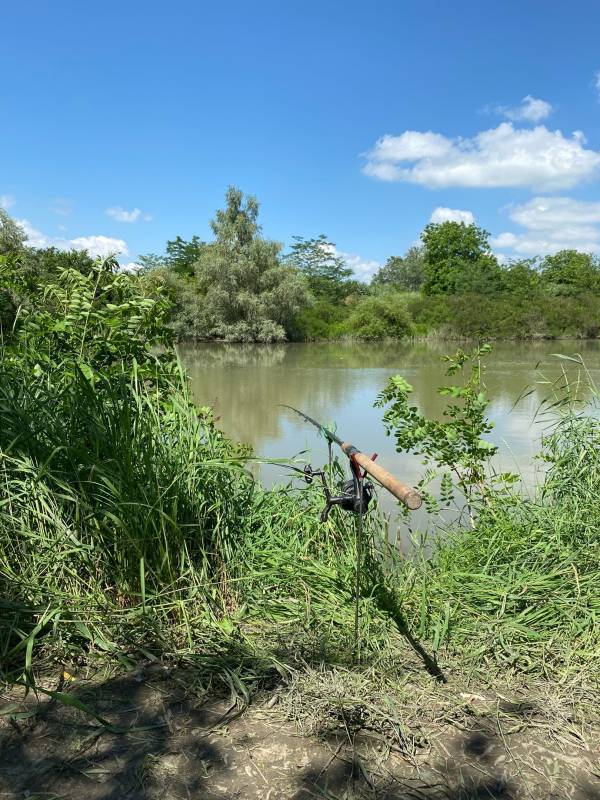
[12, 236]
[249, 295]
[457, 256]
[326, 271]
[406, 272]
[182, 255]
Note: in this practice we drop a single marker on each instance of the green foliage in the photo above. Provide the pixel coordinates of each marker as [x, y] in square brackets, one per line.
[506, 316]
[321, 319]
[455, 445]
[126, 515]
[379, 317]
[179, 258]
[24, 274]
[325, 270]
[521, 277]
[571, 273]
[182, 255]
[403, 273]
[521, 591]
[96, 322]
[248, 294]
[185, 303]
[457, 257]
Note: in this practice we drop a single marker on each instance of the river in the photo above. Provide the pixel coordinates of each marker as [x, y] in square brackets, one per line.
[339, 383]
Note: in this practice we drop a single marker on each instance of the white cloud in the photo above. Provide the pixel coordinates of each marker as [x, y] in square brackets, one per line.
[502, 156]
[532, 109]
[7, 201]
[363, 268]
[35, 238]
[442, 214]
[122, 215]
[597, 76]
[100, 246]
[97, 246]
[552, 224]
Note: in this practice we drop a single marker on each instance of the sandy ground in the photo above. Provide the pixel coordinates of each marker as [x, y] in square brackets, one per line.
[169, 745]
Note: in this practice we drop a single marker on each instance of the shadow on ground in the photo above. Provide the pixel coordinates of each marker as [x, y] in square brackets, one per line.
[171, 745]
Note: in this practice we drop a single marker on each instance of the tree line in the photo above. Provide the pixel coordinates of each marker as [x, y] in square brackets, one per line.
[243, 287]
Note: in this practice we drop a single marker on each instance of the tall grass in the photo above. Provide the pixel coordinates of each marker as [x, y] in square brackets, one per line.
[129, 525]
[522, 590]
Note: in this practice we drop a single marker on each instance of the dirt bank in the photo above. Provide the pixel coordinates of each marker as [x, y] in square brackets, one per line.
[301, 740]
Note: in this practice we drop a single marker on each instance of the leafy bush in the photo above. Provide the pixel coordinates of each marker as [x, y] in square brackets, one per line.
[378, 317]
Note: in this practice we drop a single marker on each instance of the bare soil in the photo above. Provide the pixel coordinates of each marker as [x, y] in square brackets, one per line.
[167, 744]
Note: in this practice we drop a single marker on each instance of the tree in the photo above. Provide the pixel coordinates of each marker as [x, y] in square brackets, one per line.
[249, 295]
[24, 273]
[405, 273]
[325, 270]
[182, 255]
[152, 261]
[521, 277]
[570, 272]
[452, 248]
[12, 236]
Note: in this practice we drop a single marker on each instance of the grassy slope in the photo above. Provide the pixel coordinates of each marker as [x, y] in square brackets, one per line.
[129, 527]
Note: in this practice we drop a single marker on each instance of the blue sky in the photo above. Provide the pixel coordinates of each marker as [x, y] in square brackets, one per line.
[123, 123]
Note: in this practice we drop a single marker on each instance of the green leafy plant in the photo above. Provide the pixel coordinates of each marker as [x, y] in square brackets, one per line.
[454, 445]
[94, 322]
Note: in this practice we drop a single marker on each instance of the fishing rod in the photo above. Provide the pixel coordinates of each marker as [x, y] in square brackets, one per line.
[357, 503]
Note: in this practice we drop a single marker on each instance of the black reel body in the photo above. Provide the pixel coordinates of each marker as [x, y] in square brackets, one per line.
[355, 493]
[350, 500]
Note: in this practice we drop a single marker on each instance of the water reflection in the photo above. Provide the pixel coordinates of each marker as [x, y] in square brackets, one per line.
[338, 384]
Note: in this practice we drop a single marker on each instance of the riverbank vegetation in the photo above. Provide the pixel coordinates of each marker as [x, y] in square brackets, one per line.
[131, 529]
[241, 287]
[451, 286]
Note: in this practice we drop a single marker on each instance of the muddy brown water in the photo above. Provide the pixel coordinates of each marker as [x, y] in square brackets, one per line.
[336, 383]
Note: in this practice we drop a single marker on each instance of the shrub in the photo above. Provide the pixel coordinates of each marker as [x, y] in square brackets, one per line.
[379, 317]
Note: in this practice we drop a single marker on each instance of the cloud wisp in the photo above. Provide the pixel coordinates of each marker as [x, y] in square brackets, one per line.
[7, 201]
[551, 224]
[122, 215]
[505, 156]
[531, 109]
[61, 207]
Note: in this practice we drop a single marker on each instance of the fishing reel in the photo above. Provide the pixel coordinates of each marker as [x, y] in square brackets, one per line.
[355, 493]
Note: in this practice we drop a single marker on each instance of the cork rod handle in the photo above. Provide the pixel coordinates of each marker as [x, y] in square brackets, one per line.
[406, 494]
